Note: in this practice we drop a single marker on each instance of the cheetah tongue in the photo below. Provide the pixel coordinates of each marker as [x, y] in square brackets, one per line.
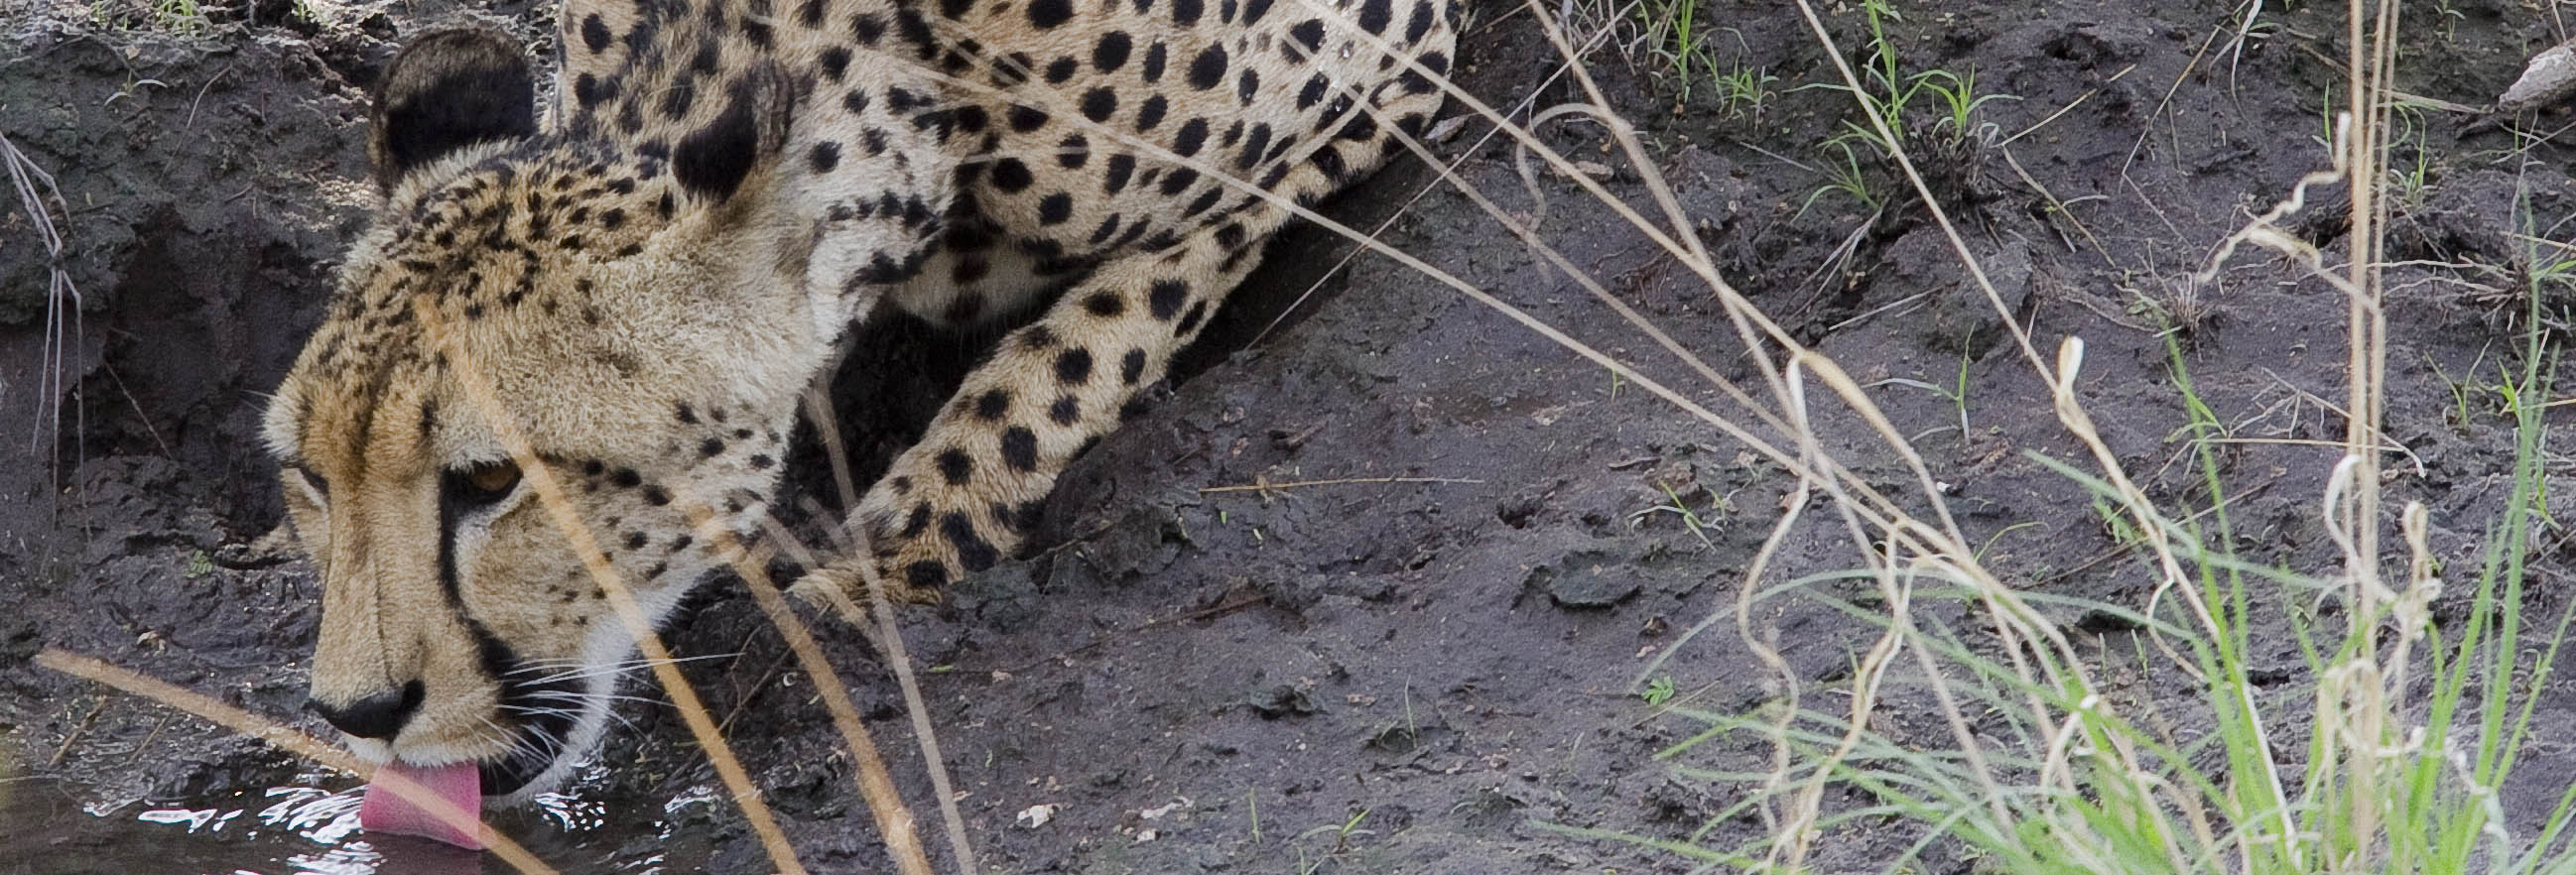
[447, 806]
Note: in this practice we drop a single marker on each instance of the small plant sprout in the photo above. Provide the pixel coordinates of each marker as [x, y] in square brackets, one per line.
[1686, 46]
[1883, 56]
[1887, 96]
[1847, 178]
[179, 16]
[2470, 399]
[2117, 525]
[1690, 519]
[1743, 91]
[1342, 834]
[1956, 393]
[2414, 177]
[1672, 30]
[2325, 135]
[1959, 102]
[1657, 691]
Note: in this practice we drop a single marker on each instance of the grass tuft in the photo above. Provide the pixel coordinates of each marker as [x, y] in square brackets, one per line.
[2000, 743]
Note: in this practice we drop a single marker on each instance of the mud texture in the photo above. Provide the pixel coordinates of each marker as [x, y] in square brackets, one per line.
[1424, 663]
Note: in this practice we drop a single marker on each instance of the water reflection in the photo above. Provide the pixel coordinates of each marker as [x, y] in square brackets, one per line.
[571, 813]
[328, 821]
[296, 830]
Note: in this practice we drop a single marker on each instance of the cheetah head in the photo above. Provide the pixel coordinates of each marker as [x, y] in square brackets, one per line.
[641, 320]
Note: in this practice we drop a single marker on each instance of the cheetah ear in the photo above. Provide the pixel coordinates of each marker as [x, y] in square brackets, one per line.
[712, 161]
[444, 92]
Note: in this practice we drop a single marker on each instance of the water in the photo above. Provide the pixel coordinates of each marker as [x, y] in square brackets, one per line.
[47, 829]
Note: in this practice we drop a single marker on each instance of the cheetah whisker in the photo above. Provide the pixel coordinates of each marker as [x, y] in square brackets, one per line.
[521, 744]
[574, 713]
[571, 671]
[595, 697]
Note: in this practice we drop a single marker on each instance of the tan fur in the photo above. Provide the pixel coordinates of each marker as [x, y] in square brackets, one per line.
[726, 187]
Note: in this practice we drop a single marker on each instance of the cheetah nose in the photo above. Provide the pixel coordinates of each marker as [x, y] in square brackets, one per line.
[380, 716]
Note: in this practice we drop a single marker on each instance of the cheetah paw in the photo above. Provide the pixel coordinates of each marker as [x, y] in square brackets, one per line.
[846, 579]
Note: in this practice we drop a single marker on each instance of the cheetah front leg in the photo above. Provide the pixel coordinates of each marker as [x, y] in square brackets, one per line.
[964, 497]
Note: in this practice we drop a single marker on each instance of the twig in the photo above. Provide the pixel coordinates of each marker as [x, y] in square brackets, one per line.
[1891, 306]
[78, 730]
[2056, 207]
[191, 123]
[2126, 549]
[1230, 605]
[1264, 486]
[759, 683]
[2069, 107]
[2148, 129]
[148, 738]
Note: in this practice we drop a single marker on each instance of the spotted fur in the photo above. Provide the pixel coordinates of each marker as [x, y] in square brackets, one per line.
[722, 190]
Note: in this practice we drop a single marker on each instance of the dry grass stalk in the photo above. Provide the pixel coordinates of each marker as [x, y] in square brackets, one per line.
[890, 637]
[35, 189]
[887, 638]
[2372, 62]
[1937, 548]
[1599, 36]
[1942, 540]
[875, 784]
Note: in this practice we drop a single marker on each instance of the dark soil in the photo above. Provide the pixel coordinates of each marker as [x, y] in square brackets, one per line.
[1411, 677]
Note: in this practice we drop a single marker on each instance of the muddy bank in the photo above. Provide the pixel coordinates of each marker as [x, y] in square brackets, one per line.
[1415, 664]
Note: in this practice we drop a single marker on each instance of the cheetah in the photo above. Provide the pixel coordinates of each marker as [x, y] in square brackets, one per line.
[651, 267]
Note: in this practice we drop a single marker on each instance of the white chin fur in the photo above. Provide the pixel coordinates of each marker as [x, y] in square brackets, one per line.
[606, 645]
[369, 749]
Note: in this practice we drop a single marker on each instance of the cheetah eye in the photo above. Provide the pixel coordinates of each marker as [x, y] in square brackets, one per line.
[481, 485]
[312, 478]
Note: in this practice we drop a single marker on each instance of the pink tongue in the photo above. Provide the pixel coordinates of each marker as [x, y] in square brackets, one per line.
[460, 786]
